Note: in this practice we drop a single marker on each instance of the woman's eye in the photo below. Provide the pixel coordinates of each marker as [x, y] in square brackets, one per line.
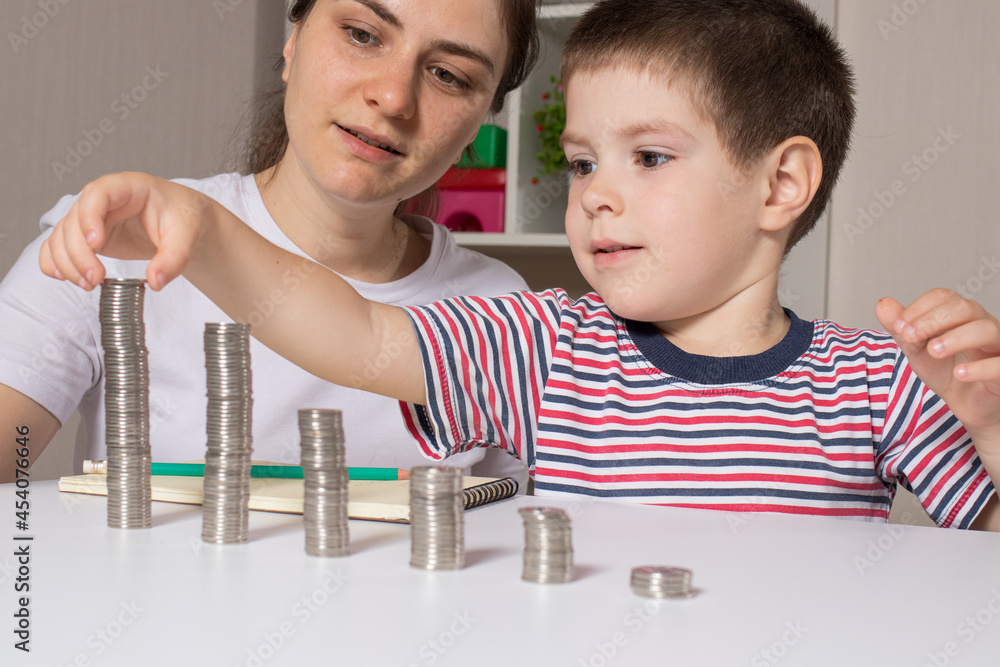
[360, 36]
[651, 159]
[447, 78]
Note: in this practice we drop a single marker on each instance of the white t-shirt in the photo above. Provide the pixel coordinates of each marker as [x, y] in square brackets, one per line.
[50, 348]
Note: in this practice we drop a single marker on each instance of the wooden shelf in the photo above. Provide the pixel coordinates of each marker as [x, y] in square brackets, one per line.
[492, 240]
[563, 11]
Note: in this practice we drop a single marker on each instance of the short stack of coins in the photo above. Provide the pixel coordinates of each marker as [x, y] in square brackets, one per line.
[226, 511]
[548, 545]
[437, 509]
[126, 403]
[324, 472]
[657, 581]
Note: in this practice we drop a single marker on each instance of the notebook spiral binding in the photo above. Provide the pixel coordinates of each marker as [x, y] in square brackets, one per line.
[489, 492]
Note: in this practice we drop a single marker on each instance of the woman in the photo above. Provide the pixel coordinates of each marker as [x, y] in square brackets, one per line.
[380, 99]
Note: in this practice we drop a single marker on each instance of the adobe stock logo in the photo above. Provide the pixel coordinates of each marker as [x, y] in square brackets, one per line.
[122, 107]
[30, 25]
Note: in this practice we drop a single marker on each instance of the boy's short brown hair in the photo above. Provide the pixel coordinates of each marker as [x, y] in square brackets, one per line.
[762, 70]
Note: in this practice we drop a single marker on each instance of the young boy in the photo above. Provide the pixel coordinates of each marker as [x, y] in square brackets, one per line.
[704, 138]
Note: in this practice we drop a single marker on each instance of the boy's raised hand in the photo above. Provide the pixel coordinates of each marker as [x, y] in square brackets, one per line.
[953, 345]
[127, 216]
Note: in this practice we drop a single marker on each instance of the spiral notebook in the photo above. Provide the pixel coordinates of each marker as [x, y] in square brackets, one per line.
[371, 500]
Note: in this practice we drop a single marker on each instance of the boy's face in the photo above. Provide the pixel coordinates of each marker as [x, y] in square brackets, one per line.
[661, 224]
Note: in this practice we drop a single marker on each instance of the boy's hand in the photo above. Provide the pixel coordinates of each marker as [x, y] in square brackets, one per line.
[953, 345]
[127, 216]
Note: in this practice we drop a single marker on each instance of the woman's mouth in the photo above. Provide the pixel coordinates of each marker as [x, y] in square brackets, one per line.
[371, 142]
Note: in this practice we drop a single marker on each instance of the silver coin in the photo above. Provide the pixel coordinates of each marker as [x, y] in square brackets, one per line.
[656, 581]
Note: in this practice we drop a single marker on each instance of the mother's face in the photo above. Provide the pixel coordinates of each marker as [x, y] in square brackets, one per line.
[383, 95]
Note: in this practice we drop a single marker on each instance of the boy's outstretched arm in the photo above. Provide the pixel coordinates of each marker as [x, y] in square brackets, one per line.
[953, 345]
[322, 325]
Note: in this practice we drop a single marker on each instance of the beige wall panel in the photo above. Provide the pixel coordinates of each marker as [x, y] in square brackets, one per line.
[184, 67]
[929, 85]
[916, 207]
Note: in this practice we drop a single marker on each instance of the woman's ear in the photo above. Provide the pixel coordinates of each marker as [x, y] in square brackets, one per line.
[288, 52]
[794, 170]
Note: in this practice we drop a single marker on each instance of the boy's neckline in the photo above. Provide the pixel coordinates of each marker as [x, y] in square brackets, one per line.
[702, 369]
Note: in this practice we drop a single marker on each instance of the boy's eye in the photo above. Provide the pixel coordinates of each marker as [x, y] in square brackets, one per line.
[651, 159]
[360, 36]
[581, 167]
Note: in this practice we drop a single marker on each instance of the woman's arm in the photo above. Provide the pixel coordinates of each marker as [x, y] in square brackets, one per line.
[25, 427]
[323, 325]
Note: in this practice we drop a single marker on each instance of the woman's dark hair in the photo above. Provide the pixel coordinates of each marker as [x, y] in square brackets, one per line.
[268, 136]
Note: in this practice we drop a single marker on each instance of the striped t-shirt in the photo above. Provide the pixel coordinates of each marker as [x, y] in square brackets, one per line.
[824, 423]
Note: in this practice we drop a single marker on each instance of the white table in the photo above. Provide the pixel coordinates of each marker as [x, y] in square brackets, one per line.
[773, 590]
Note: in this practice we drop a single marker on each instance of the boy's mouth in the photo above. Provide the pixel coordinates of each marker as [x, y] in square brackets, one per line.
[606, 247]
[371, 142]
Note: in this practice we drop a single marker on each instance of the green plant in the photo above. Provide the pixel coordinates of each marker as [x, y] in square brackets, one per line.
[551, 119]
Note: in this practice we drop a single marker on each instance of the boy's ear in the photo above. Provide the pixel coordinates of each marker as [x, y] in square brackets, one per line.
[794, 170]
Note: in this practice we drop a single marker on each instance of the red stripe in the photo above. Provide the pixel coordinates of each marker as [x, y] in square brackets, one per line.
[707, 477]
[567, 388]
[787, 509]
[953, 514]
[431, 339]
[670, 448]
[720, 421]
[508, 378]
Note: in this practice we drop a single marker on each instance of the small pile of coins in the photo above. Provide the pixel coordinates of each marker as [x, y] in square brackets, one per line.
[324, 472]
[226, 512]
[437, 509]
[656, 581]
[548, 545]
[126, 403]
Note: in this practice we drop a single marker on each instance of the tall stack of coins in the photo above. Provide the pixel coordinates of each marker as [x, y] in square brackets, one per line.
[548, 546]
[226, 511]
[656, 581]
[437, 509]
[324, 472]
[126, 403]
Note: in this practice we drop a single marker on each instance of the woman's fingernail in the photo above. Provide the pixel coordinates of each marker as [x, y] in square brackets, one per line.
[90, 276]
[937, 347]
[91, 237]
[900, 326]
[57, 274]
[961, 371]
[82, 282]
[161, 280]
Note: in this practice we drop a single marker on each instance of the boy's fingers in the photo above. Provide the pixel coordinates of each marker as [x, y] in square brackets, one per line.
[172, 256]
[889, 312]
[80, 253]
[927, 301]
[949, 315]
[984, 370]
[936, 312]
[60, 258]
[45, 262]
[982, 335]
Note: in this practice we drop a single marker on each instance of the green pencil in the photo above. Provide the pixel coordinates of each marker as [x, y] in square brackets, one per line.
[276, 470]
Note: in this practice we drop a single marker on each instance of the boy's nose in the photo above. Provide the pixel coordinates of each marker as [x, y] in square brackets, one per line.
[601, 197]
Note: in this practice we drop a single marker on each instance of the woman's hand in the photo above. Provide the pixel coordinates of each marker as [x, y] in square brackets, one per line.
[128, 216]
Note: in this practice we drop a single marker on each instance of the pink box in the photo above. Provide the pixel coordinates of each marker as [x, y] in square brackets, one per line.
[471, 210]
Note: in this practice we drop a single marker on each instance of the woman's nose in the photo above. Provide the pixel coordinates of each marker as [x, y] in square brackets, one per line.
[393, 91]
